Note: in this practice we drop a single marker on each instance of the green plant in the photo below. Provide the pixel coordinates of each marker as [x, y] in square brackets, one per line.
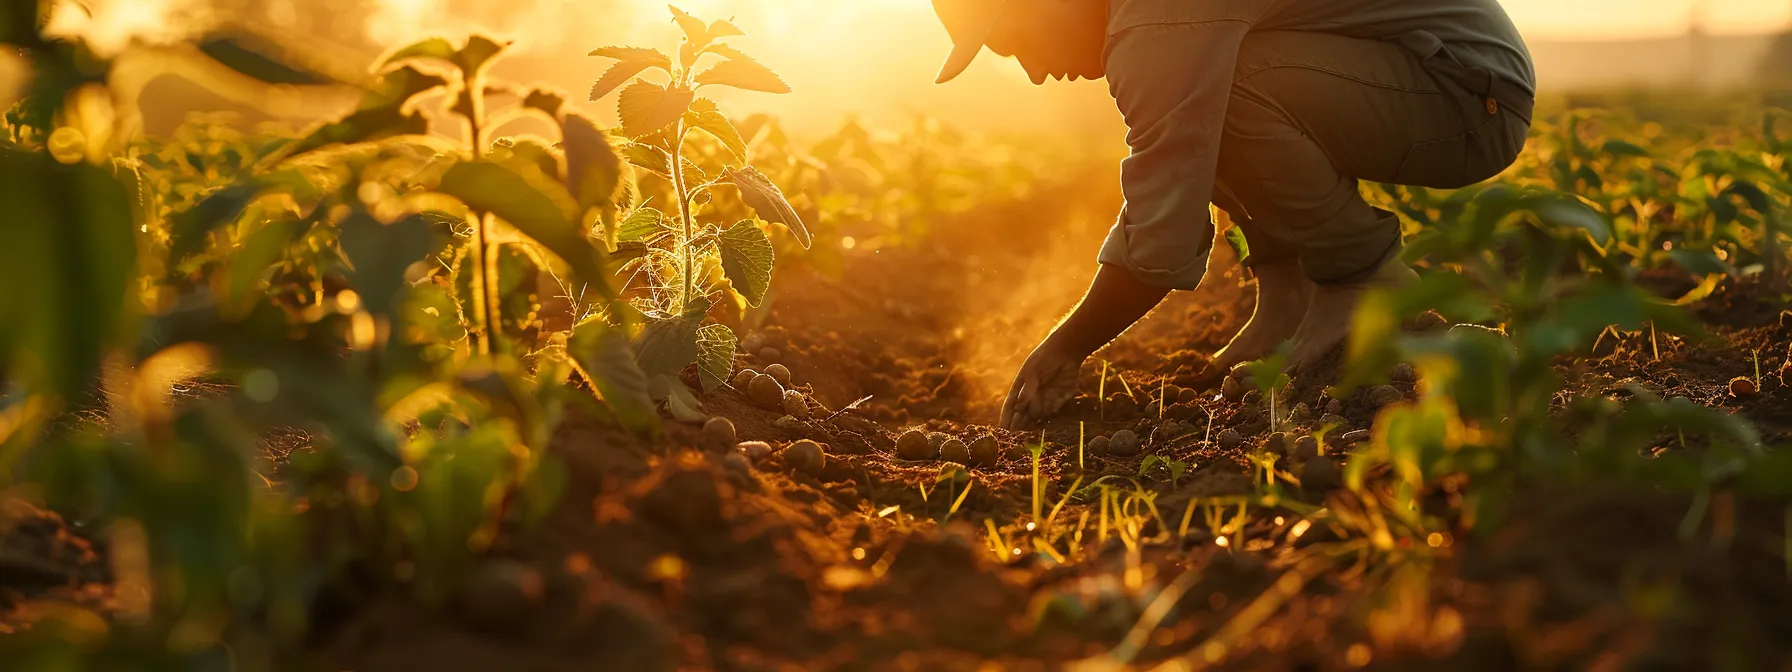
[674, 259]
[1175, 467]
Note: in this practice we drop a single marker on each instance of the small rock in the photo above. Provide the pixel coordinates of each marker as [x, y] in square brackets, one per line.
[1232, 389]
[752, 343]
[1097, 446]
[954, 450]
[1229, 438]
[1301, 414]
[1319, 474]
[1184, 411]
[766, 393]
[796, 405]
[937, 440]
[1334, 407]
[985, 451]
[1332, 420]
[1403, 373]
[1306, 446]
[1383, 395]
[1163, 434]
[804, 456]
[1187, 396]
[1743, 386]
[1277, 444]
[788, 422]
[1252, 397]
[779, 372]
[770, 355]
[754, 450]
[1124, 443]
[501, 593]
[913, 445]
[737, 463]
[1355, 436]
[743, 378]
[719, 434]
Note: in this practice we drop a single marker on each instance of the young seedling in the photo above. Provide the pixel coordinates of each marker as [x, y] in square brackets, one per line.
[1035, 450]
[1082, 435]
[1101, 393]
[1267, 372]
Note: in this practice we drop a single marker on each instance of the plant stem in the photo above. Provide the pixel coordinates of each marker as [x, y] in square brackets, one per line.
[684, 214]
[484, 275]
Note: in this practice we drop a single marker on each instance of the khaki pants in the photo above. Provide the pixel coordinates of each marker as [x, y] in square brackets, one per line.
[1313, 113]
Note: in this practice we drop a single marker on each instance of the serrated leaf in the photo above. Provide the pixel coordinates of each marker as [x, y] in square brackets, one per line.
[489, 187]
[593, 168]
[767, 201]
[683, 404]
[434, 48]
[608, 363]
[666, 346]
[694, 29]
[640, 225]
[380, 253]
[547, 101]
[715, 355]
[653, 159]
[645, 107]
[742, 72]
[478, 54]
[721, 28]
[747, 260]
[707, 116]
[636, 60]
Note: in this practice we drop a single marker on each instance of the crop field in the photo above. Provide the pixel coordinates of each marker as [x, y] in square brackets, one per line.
[402, 390]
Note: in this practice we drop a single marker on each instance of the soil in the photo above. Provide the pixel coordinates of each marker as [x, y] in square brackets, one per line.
[675, 554]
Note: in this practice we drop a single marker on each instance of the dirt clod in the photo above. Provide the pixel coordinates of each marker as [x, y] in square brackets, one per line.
[1232, 389]
[796, 405]
[742, 379]
[1124, 443]
[754, 450]
[766, 393]
[1306, 446]
[1187, 396]
[913, 445]
[804, 456]
[770, 355]
[1743, 386]
[937, 440]
[985, 451]
[500, 594]
[780, 372]
[752, 343]
[1403, 373]
[1319, 474]
[1383, 395]
[1097, 446]
[954, 450]
[1229, 438]
[1355, 436]
[719, 434]
[1334, 407]
[1301, 413]
[1277, 444]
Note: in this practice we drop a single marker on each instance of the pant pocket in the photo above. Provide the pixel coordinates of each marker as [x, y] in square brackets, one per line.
[1494, 147]
[1438, 164]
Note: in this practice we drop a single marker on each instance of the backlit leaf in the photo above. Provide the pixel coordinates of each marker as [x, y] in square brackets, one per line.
[715, 355]
[593, 168]
[380, 253]
[262, 60]
[747, 260]
[646, 107]
[1235, 238]
[478, 54]
[721, 28]
[608, 363]
[434, 48]
[742, 72]
[633, 61]
[217, 210]
[768, 201]
[642, 224]
[694, 29]
[547, 101]
[489, 187]
[666, 346]
[705, 115]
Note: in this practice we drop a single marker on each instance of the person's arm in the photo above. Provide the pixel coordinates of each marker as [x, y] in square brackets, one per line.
[1114, 302]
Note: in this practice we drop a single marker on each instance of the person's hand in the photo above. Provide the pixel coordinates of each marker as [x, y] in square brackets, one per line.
[1044, 384]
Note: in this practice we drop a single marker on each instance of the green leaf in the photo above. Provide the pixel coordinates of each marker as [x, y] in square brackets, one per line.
[1616, 147]
[742, 72]
[606, 361]
[261, 60]
[434, 48]
[1235, 238]
[1700, 262]
[705, 115]
[766, 200]
[478, 54]
[381, 114]
[631, 61]
[489, 187]
[593, 168]
[221, 208]
[548, 101]
[642, 224]
[666, 346]
[1570, 213]
[248, 264]
[683, 404]
[715, 355]
[747, 259]
[380, 253]
[655, 160]
[646, 108]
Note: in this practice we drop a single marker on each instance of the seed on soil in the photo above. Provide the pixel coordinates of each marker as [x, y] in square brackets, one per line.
[1403, 373]
[766, 393]
[1319, 474]
[804, 456]
[1355, 435]
[737, 463]
[1097, 446]
[1306, 446]
[796, 405]
[937, 440]
[790, 423]
[1332, 420]
[1187, 396]
[742, 379]
[954, 450]
[1276, 444]
[985, 451]
[1252, 397]
[770, 355]
[719, 434]
[1124, 443]
[1163, 434]
[1184, 411]
[752, 343]
[780, 372]
[1742, 386]
[1334, 407]
[754, 450]
[500, 593]
[1232, 389]
[1302, 414]
[1383, 395]
[1229, 438]
[913, 445]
